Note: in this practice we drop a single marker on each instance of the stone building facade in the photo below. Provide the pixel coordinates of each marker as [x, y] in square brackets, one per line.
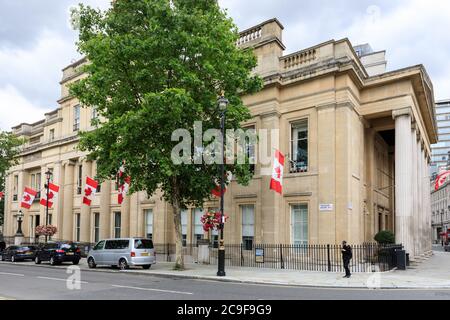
[358, 147]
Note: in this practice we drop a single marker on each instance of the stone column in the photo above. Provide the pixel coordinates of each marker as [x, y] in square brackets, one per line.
[8, 200]
[58, 205]
[125, 216]
[69, 168]
[105, 210]
[414, 194]
[403, 181]
[85, 223]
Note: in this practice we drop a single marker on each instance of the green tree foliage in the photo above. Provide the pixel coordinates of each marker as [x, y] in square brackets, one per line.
[156, 66]
[385, 237]
[8, 157]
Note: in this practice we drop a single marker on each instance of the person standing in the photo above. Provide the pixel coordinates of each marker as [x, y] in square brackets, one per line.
[346, 257]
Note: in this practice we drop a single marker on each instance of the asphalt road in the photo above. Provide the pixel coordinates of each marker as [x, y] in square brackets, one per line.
[45, 282]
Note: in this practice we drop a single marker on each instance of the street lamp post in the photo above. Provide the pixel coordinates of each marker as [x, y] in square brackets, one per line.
[222, 104]
[47, 187]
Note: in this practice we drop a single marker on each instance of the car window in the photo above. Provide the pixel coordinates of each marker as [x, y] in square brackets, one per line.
[25, 248]
[51, 246]
[68, 246]
[99, 245]
[117, 244]
[143, 244]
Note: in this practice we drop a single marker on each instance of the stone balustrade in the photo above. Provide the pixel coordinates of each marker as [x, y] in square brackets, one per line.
[249, 35]
[298, 59]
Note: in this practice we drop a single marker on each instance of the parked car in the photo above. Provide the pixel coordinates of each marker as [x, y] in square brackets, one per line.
[123, 253]
[58, 252]
[19, 253]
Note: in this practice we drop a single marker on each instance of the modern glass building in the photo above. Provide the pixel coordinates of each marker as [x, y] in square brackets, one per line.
[440, 150]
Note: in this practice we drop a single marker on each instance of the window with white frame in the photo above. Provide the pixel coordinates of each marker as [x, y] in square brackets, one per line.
[248, 226]
[15, 187]
[117, 224]
[299, 146]
[299, 224]
[149, 223]
[198, 226]
[76, 117]
[96, 227]
[80, 179]
[184, 213]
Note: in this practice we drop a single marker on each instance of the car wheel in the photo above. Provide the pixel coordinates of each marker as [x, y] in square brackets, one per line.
[13, 258]
[75, 262]
[147, 266]
[123, 265]
[52, 261]
[91, 263]
[37, 260]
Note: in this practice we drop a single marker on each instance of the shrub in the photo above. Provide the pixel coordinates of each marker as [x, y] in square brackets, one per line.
[385, 237]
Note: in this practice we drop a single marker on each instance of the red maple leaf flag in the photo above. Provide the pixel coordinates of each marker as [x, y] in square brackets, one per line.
[123, 189]
[89, 190]
[441, 178]
[28, 198]
[276, 183]
[1, 195]
[217, 191]
[53, 190]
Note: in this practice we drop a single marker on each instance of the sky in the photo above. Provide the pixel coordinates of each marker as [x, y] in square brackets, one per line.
[37, 41]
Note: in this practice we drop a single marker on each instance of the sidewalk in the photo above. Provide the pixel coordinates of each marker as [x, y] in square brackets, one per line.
[433, 273]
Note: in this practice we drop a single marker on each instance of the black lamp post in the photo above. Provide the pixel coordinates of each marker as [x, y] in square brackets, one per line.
[19, 232]
[48, 175]
[222, 105]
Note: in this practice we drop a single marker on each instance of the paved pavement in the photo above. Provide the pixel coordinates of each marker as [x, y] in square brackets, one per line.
[433, 273]
[26, 281]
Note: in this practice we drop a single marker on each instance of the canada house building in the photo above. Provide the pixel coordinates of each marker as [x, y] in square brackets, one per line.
[357, 141]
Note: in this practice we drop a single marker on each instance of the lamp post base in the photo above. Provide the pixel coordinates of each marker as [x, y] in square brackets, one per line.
[221, 264]
[18, 239]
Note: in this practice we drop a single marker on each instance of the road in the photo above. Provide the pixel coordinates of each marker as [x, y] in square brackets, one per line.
[49, 283]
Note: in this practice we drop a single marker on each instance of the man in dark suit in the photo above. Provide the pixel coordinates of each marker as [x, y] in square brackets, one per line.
[346, 257]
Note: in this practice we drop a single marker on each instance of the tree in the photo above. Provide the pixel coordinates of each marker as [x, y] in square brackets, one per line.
[8, 157]
[385, 237]
[156, 66]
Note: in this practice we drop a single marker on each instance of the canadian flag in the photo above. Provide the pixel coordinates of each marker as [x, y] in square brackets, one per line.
[28, 198]
[123, 189]
[53, 190]
[89, 190]
[1, 195]
[217, 190]
[276, 183]
[440, 180]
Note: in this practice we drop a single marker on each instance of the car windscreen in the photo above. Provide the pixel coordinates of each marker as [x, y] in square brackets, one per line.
[68, 246]
[143, 244]
[26, 248]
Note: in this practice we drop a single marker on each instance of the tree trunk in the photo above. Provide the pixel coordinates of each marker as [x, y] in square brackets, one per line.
[179, 261]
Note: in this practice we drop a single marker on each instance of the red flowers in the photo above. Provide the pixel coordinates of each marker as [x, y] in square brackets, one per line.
[211, 220]
[47, 230]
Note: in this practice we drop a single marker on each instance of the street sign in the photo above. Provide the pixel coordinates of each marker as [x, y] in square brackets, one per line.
[259, 255]
[326, 207]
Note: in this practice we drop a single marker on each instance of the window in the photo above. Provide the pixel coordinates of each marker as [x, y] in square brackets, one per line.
[248, 226]
[149, 224]
[76, 118]
[77, 226]
[36, 185]
[51, 134]
[96, 226]
[299, 146]
[117, 224]
[80, 179]
[198, 226]
[94, 113]
[99, 188]
[117, 244]
[99, 245]
[299, 224]
[184, 226]
[15, 187]
[143, 244]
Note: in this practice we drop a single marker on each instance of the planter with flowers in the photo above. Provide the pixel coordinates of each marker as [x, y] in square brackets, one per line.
[211, 220]
[47, 230]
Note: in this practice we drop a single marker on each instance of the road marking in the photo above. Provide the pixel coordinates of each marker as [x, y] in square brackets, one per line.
[59, 279]
[12, 274]
[147, 289]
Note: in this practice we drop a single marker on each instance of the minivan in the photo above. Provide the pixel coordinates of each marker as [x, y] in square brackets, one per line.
[124, 252]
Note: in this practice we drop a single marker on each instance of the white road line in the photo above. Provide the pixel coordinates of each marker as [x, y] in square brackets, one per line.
[12, 274]
[147, 289]
[59, 279]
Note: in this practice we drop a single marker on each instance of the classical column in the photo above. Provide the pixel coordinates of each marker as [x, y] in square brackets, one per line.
[403, 181]
[58, 205]
[125, 216]
[414, 196]
[105, 210]
[85, 225]
[69, 168]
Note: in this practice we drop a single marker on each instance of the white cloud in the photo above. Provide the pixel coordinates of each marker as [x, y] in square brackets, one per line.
[15, 109]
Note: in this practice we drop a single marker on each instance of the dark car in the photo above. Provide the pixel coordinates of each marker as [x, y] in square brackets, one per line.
[58, 252]
[19, 253]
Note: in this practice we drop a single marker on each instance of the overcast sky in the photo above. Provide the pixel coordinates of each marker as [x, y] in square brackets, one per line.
[36, 40]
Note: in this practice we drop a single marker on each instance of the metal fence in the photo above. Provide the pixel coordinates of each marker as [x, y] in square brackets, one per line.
[368, 257]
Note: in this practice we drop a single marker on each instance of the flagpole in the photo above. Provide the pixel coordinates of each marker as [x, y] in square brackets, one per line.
[49, 174]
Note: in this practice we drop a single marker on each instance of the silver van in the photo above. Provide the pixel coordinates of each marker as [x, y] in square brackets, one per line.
[123, 252]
